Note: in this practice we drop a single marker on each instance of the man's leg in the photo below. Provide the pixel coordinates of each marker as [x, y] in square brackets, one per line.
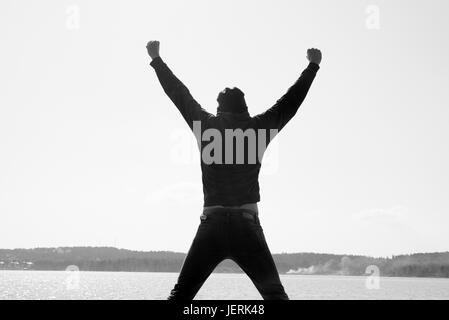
[253, 256]
[203, 256]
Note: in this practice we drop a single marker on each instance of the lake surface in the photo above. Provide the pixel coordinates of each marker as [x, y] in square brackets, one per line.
[149, 285]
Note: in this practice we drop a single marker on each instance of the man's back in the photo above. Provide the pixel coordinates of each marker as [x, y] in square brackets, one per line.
[232, 147]
[232, 142]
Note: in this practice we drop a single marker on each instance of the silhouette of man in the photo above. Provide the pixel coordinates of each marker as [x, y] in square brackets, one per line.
[229, 224]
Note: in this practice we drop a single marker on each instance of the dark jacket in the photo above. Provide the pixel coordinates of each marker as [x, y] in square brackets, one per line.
[232, 183]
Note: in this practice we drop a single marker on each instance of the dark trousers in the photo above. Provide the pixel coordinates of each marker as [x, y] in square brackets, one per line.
[229, 233]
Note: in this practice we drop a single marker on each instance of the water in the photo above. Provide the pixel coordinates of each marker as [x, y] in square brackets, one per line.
[148, 285]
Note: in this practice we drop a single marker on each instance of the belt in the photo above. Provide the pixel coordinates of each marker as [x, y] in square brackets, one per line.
[218, 210]
[250, 206]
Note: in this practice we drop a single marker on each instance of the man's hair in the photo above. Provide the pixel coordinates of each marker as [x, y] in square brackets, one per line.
[231, 100]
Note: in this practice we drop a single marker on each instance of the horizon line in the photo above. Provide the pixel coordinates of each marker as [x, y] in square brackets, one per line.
[273, 253]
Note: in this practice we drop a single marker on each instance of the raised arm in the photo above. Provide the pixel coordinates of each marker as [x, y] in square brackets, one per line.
[175, 89]
[286, 107]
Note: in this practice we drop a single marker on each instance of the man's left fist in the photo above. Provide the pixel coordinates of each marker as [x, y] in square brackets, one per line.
[153, 49]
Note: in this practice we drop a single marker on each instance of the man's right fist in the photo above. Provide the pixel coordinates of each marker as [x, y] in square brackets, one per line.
[153, 49]
[314, 55]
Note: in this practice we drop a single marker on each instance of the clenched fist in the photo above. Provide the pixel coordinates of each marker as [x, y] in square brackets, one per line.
[153, 49]
[314, 55]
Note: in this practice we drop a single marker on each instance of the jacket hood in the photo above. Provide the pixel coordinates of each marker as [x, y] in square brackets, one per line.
[234, 115]
[231, 100]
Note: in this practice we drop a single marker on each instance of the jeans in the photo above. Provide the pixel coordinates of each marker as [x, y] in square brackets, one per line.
[229, 233]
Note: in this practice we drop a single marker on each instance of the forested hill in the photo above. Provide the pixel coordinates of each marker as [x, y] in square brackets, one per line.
[113, 259]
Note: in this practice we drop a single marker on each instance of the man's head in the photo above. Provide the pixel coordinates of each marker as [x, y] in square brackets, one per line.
[231, 100]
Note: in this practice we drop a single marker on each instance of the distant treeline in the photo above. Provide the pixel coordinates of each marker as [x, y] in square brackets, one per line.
[113, 259]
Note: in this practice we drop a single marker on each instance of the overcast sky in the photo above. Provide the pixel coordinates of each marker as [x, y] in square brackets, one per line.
[92, 152]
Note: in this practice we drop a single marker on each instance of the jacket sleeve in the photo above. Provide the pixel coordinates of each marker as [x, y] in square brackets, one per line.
[178, 93]
[286, 107]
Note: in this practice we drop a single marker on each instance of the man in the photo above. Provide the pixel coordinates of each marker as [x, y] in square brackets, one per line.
[230, 226]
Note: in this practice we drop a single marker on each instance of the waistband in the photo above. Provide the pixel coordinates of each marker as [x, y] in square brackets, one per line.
[252, 206]
[232, 210]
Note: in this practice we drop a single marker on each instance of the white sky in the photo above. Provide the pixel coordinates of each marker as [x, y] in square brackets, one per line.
[90, 146]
